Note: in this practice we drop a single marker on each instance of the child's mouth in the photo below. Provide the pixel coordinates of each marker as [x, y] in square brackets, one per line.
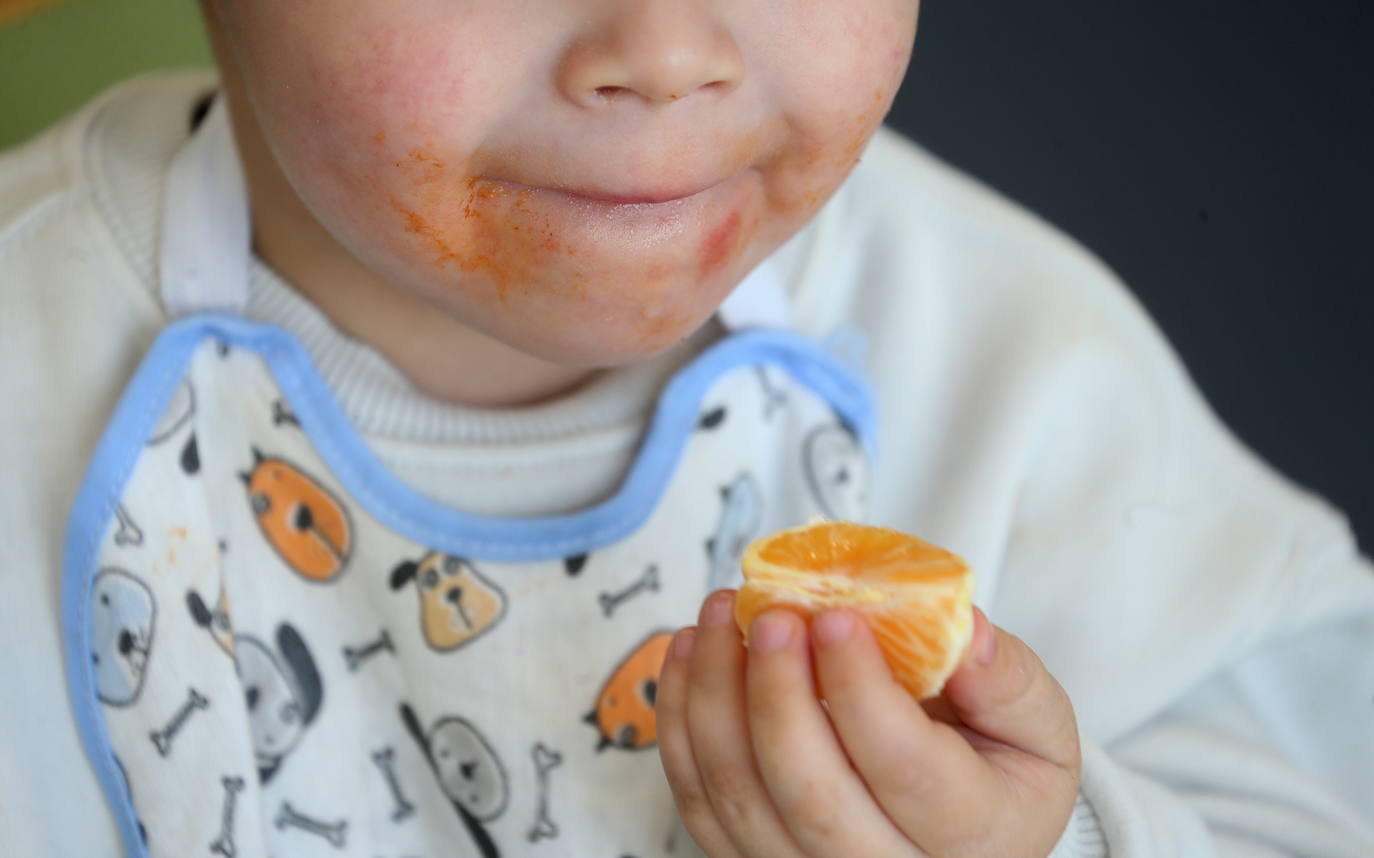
[630, 199]
[616, 221]
[523, 233]
[599, 198]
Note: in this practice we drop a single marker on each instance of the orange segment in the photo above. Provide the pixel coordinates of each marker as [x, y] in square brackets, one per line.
[915, 596]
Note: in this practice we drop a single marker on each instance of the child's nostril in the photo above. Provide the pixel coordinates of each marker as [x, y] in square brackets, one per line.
[609, 91]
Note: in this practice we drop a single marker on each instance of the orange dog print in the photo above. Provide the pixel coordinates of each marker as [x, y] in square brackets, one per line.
[624, 713]
[457, 603]
[301, 519]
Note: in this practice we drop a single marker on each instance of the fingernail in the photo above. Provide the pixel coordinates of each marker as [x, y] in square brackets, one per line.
[987, 644]
[682, 644]
[770, 632]
[833, 627]
[716, 611]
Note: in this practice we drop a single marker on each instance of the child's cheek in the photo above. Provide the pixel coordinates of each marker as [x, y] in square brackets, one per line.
[840, 95]
[366, 158]
[822, 153]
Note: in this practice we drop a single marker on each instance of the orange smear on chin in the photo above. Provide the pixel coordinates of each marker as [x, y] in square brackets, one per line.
[720, 243]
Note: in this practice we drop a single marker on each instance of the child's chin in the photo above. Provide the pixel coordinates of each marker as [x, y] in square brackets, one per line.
[598, 346]
[589, 327]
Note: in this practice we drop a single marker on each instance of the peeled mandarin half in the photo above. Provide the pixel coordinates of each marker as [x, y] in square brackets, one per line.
[915, 596]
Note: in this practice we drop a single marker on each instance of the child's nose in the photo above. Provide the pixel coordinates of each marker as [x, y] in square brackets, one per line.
[657, 51]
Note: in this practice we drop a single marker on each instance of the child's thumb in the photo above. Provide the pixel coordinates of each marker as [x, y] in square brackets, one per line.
[1003, 691]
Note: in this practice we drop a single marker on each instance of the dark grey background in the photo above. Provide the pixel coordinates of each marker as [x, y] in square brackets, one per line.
[1217, 155]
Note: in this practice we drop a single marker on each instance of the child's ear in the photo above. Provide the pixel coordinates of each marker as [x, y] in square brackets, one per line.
[401, 575]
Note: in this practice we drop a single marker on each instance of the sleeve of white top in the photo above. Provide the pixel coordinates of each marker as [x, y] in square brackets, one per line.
[1242, 765]
[1274, 754]
[1236, 630]
[1082, 838]
[1222, 632]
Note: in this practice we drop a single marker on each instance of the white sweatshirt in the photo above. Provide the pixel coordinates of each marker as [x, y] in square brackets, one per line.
[1212, 623]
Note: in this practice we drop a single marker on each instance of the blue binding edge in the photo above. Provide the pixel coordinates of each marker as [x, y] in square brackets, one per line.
[390, 501]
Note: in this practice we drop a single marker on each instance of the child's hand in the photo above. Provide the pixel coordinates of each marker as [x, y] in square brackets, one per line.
[759, 770]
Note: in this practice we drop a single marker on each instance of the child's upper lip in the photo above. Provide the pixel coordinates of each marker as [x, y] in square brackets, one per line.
[661, 177]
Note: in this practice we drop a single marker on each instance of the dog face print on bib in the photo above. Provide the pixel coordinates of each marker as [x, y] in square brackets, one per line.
[457, 603]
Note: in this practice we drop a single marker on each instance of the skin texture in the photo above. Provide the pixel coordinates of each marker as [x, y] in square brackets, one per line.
[541, 188]
[759, 768]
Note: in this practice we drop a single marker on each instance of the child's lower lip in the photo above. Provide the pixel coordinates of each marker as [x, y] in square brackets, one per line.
[557, 218]
[623, 206]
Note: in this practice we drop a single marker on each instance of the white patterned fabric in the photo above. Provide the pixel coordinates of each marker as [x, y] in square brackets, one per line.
[279, 668]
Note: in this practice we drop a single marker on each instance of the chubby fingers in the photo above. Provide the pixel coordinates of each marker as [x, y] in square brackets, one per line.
[923, 772]
[1003, 691]
[675, 752]
[824, 803]
[705, 746]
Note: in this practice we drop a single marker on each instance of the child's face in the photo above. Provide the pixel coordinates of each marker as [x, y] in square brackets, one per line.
[584, 180]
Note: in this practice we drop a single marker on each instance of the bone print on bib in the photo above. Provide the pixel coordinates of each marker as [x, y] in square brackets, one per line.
[283, 650]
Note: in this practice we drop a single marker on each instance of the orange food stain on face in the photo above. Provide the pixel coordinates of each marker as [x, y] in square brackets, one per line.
[719, 243]
[461, 223]
[470, 224]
